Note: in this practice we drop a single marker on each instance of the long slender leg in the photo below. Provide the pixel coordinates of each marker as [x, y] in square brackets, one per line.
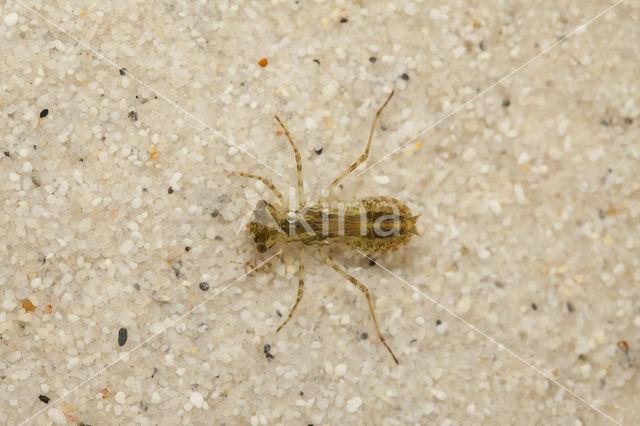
[301, 200]
[263, 268]
[364, 156]
[300, 289]
[264, 180]
[364, 290]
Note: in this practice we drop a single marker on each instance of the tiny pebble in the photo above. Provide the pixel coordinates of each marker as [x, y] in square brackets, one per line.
[126, 247]
[354, 404]
[440, 395]
[463, 305]
[44, 398]
[122, 336]
[523, 158]
[57, 416]
[204, 286]
[340, 369]
[156, 328]
[310, 123]
[155, 398]
[495, 207]
[382, 179]
[11, 19]
[459, 51]
[196, 399]
[520, 197]
[44, 113]
[59, 45]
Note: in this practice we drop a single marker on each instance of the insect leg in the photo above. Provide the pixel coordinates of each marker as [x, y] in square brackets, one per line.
[263, 268]
[364, 290]
[301, 201]
[364, 156]
[300, 289]
[264, 180]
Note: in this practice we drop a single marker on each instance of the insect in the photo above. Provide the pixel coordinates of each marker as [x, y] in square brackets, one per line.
[373, 225]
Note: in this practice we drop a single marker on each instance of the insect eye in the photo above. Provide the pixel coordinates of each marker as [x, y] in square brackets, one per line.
[291, 217]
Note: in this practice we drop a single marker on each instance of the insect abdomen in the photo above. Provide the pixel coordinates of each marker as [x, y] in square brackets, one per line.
[372, 224]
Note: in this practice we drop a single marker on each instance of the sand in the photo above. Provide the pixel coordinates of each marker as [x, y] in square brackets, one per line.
[514, 132]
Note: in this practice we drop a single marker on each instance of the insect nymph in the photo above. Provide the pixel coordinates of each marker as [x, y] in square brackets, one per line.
[372, 225]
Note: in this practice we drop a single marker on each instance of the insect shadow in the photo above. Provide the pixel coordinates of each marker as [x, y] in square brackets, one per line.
[374, 225]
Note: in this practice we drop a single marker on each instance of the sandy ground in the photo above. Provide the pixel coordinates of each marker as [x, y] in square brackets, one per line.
[518, 304]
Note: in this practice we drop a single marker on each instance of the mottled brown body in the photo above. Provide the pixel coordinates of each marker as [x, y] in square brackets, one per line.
[375, 225]
[371, 225]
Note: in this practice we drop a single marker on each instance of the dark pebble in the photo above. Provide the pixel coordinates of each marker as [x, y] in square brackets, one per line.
[570, 307]
[266, 348]
[176, 269]
[534, 306]
[187, 249]
[343, 20]
[7, 154]
[215, 213]
[44, 398]
[318, 151]
[122, 336]
[123, 71]
[405, 76]
[316, 61]
[438, 322]
[372, 59]
[204, 286]
[133, 115]
[170, 190]
[506, 103]
[44, 113]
